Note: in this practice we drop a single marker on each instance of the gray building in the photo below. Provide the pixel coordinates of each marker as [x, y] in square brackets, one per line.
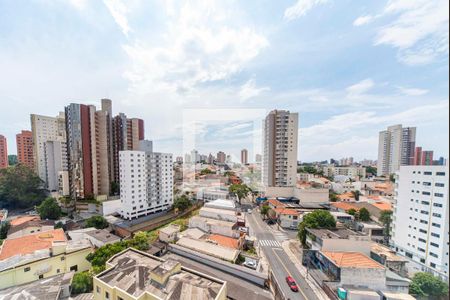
[279, 168]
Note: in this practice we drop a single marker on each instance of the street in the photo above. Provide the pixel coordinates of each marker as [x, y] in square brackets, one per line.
[278, 260]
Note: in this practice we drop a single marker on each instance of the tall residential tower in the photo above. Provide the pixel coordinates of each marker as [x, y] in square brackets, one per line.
[279, 168]
[3, 152]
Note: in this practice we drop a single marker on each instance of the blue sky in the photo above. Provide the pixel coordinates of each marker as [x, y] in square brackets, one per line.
[349, 68]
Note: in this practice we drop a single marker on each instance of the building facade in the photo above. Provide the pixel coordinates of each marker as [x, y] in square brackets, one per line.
[280, 137]
[395, 148]
[352, 172]
[3, 152]
[422, 158]
[48, 129]
[24, 141]
[421, 217]
[244, 156]
[146, 182]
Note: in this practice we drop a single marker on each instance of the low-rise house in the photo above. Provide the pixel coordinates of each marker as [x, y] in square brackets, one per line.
[208, 248]
[211, 194]
[355, 269]
[41, 255]
[287, 218]
[98, 237]
[275, 203]
[346, 197]
[225, 204]
[338, 240]
[52, 288]
[342, 217]
[133, 274]
[169, 234]
[372, 229]
[30, 225]
[228, 242]
[389, 259]
[219, 214]
[213, 226]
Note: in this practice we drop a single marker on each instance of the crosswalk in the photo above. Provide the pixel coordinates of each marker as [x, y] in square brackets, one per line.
[270, 243]
[280, 236]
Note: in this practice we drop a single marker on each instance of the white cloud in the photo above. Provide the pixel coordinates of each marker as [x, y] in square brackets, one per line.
[360, 88]
[118, 11]
[363, 20]
[79, 4]
[419, 31]
[412, 91]
[300, 8]
[249, 90]
[198, 45]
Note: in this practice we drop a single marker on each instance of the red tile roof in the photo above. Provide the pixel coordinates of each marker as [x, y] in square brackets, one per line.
[276, 203]
[31, 243]
[287, 211]
[352, 260]
[23, 219]
[225, 241]
[344, 206]
[383, 205]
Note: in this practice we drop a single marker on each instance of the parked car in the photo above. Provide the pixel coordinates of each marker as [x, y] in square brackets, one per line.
[249, 211]
[292, 284]
[250, 264]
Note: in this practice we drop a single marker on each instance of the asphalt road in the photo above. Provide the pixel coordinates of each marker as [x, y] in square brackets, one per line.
[280, 263]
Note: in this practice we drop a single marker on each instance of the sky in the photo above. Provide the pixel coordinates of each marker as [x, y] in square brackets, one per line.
[349, 68]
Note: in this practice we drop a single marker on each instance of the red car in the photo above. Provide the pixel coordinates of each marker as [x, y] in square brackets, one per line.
[291, 282]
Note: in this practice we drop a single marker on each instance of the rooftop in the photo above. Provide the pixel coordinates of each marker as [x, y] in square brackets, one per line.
[103, 235]
[390, 255]
[352, 260]
[339, 233]
[44, 289]
[224, 241]
[22, 219]
[193, 233]
[276, 203]
[131, 271]
[171, 229]
[213, 221]
[222, 203]
[287, 211]
[209, 249]
[217, 211]
[383, 205]
[31, 243]
[344, 206]
[30, 223]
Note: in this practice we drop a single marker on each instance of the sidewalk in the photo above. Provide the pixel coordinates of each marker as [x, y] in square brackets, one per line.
[312, 284]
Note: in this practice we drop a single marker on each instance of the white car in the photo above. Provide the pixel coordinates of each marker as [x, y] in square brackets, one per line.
[249, 211]
[250, 264]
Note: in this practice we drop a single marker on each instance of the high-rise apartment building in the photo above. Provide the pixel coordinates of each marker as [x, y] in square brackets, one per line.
[24, 141]
[279, 166]
[146, 181]
[195, 156]
[221, 157]
[422, 158]
[420, 229]
[3, 152]
[395, 148]
[258, 158]
[127, 133]
[244, 156]
[49, 129]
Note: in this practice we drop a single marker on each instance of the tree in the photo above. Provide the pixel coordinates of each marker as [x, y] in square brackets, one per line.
[20, 187]
[392, 178]
[364, 214]
[115, 188]
[240, 190]
[49, 209]
[98, 222]
[182, 203]
[4, 230]
[371, 170]
[333, 197]
[427, 285]
[356, 194]
[386, 220]
[59, 225]
[82, 283]
[315, 219]
[264, 210]
[206, 171]
[352, 212]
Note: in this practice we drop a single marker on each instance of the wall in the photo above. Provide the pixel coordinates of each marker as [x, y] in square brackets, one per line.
[347, 245]
[372, 278]
[17, 275]
[29, 230]
[110, 207]
[312, 195]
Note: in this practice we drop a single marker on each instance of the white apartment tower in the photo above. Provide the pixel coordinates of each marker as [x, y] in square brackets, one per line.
[146, 181]
[51, 158]
[420, 228]
[279, 165]
[395, 148]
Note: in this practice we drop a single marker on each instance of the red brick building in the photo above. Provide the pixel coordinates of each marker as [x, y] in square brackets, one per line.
[3, 152]
[24, 142]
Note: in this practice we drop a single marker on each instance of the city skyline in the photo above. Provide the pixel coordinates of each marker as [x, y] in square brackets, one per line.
[344, 97]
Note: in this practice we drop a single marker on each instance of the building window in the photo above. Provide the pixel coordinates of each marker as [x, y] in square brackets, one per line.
[27, 269]
[98, 290]
[62, 258]
[425, 203]
[426, 193]
[436, 225]
[435, 235]
[427, 173]
[438, 195]
[437, 215]
[437, 204]
[41, 276]
[422, 231]
[439, 184]
[440, 173]
[434, 245]
[434, 255]
[74, 268]
[106, 295]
